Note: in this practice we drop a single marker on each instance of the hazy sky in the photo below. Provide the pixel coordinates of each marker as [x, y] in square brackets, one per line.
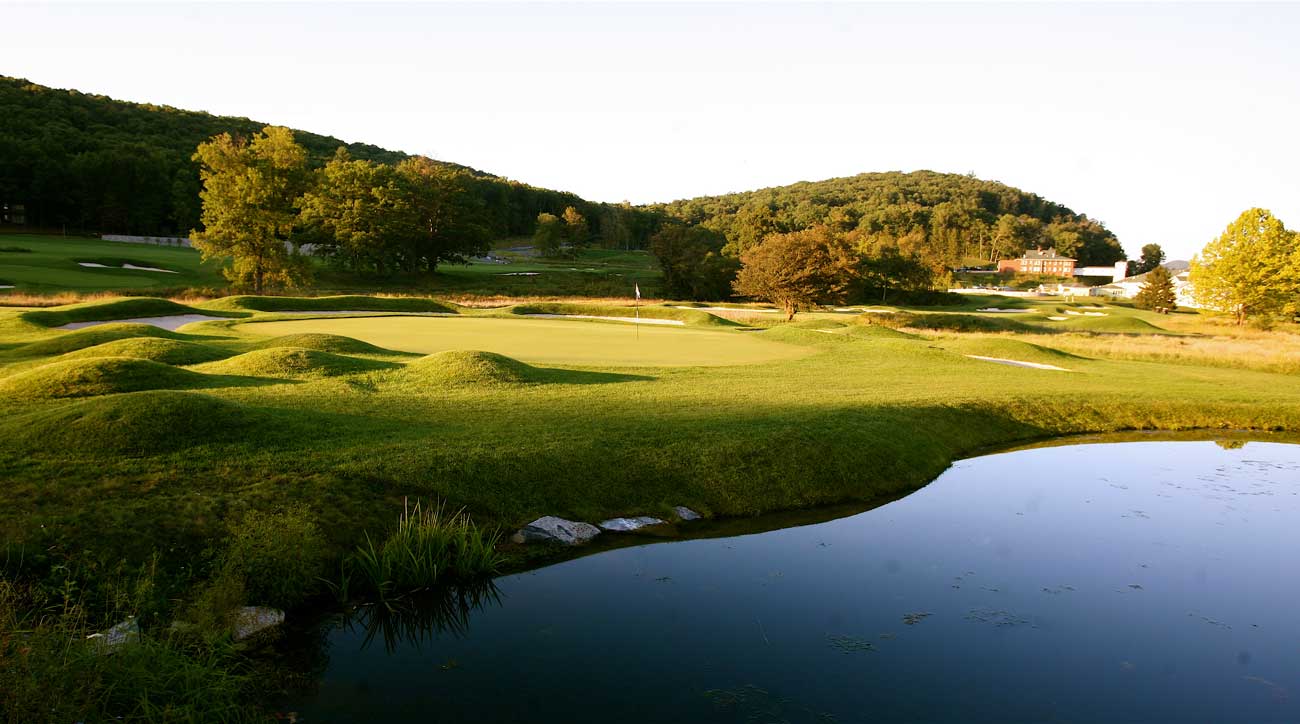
[1163, 121]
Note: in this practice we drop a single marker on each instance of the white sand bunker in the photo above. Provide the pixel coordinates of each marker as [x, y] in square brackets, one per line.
[171, 322]
[6, 286]
[633, 320]
[1018, 363]
[999, 310]
[1058, 319]
[518, 274]
[133, 267]
[1085, 314]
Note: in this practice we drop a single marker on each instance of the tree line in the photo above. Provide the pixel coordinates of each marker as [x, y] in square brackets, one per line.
[92, 164]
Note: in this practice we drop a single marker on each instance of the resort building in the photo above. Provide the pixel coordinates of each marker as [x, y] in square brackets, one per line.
[1040, 262]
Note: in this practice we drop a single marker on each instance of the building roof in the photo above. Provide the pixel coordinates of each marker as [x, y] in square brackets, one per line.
[1040, 254]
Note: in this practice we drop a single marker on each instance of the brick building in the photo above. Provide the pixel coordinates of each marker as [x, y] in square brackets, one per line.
[1040, 262]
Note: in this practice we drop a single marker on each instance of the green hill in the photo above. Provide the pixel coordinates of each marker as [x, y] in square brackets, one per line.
[92, 164]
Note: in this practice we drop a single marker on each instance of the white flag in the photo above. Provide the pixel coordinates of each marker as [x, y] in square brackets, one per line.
[638, 290]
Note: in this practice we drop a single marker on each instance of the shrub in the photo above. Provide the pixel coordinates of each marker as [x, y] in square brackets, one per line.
[279, 556]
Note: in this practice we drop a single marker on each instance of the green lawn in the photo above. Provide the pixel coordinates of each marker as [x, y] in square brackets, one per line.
[550, 341]
[51, 264]
[133, 456]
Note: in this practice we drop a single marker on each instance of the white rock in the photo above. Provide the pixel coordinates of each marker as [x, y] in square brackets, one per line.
[120, 634]
[559, 530]
[623, 525]
[686, 513]
[254, 619]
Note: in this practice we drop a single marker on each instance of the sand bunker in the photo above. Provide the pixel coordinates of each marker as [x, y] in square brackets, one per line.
[133, 267]
[999, 310]
[1018, 363]
[633, 320]
[171, 322]
[1085, 314]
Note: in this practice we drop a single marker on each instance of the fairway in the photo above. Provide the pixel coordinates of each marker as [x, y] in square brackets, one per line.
[549, 341]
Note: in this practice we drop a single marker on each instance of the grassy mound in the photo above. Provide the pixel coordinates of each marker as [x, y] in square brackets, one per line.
[876, 331]
[1114, 325]
[471, 367]
[97, 376]
[350, 302]
[951, 322]
[690, 317]
[1008, 349]
[335, 343]
[91, 336]
[128, 308]
[166, 351]
[139, 423]
[292, 362]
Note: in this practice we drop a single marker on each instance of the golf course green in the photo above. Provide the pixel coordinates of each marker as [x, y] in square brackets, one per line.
[551, 341]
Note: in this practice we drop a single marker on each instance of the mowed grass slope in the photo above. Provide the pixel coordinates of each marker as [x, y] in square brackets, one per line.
[856, 411]
[50, 264]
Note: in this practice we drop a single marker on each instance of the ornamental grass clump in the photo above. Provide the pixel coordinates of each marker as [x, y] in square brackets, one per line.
[429, 546]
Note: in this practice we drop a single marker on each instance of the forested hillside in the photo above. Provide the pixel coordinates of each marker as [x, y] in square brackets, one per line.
[93, 164]
[942, 218]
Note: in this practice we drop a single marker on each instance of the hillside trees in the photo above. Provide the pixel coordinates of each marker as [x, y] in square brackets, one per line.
[798, 270]
[249, 194]
[1251, 270]
[548, 236]
[693, 264]
[1152, 257]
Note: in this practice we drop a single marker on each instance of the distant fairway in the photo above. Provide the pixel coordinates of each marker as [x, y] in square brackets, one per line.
[549, 341]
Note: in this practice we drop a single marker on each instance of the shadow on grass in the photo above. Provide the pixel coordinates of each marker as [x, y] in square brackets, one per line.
[556, 375]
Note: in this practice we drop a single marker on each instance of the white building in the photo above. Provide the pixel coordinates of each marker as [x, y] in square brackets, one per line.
[1128, 287]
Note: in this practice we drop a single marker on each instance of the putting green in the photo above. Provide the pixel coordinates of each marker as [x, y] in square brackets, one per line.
[549, 341]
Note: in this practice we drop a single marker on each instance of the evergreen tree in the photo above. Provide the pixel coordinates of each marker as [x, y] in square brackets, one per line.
[1158, 291]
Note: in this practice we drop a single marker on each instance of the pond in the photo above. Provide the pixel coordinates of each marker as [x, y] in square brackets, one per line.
[1129, 582]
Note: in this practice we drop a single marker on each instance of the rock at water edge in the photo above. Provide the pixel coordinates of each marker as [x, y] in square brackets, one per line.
[686, 513]
[624, 525]
[559, 530]
[250, 620]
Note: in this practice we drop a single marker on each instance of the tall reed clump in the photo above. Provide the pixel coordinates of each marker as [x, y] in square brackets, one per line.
[429, 546]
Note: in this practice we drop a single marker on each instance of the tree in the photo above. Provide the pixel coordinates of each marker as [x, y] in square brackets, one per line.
[576, 232]
[353, 214]
[1158, 291]
[798, 270]
[442, 220]
[249, 195]
[693, 264]
[1152, 257]
[1252, 268]
[548, 237]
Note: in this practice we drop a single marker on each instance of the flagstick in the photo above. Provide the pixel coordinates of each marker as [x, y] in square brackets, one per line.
[637, 324]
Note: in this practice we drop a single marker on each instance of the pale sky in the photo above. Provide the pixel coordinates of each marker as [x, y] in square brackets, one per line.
[1163, 121]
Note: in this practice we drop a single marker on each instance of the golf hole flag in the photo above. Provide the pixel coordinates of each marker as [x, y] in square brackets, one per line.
[637, 287]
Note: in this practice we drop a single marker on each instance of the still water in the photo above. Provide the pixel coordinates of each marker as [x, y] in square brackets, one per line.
[1131, 582]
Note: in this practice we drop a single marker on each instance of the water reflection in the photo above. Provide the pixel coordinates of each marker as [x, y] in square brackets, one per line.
[1140, 582]
[422, 617]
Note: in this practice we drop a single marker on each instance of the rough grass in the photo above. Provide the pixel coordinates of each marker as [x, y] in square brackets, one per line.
[97, 376]
[91, 336]
[326, 304]
[1003, 348]
[292, 362]
[1114, 325]
[470, 368]
[127, 308]
[139, 423]
[157, 349]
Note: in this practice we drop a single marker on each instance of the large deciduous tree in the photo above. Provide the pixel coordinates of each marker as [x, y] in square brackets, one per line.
[798, 270]
[692, 261]
[1251, 269]
[250, 190]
